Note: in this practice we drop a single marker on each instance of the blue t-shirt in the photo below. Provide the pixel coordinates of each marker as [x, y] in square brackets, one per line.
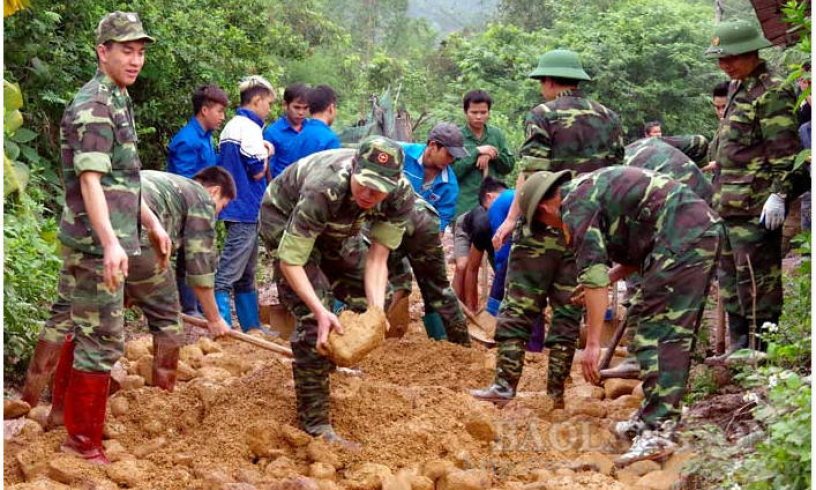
[191, 150]
[314, 137]
[243, 154]
[283, 136]
[441, 193]
[497, 214]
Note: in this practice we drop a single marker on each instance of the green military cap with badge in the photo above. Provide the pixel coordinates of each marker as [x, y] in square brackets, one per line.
[737, 37]
[121, 27]
[378, 163]
[534, 189]
[560, 63]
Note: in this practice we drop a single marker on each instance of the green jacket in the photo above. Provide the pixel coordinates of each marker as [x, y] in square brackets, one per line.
[470, 177]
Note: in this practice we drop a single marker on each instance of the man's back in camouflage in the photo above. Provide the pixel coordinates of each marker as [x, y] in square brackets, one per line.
[658, 156]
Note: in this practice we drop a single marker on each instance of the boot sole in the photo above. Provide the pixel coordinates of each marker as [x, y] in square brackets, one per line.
[102, 461]
[499, 402]
[660, 456]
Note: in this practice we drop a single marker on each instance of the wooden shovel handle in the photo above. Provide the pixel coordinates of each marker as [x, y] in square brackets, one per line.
[264, 344]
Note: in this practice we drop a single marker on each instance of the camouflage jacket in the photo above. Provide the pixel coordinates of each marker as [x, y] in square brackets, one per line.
[694, 146]
[623, 214]
[654, 154]
[310, 206]
[187, 213]
[757, 143]
[571, 132]
[98, 134]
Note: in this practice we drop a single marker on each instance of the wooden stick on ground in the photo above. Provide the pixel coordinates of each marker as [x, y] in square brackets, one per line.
[616, 338]
[264, 344]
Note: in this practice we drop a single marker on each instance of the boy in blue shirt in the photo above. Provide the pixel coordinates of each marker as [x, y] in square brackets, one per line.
[192, 150]
[245, 155]
[285, 132]
[427, 167]
[317, 134]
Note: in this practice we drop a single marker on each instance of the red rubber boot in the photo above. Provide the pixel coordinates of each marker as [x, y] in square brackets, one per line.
[85, 405]
[61, 378]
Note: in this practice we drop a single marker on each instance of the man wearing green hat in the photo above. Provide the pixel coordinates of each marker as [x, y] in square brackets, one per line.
[568, 132]
[99, 229]
[756, 145]
[311, 220]
[646, 223]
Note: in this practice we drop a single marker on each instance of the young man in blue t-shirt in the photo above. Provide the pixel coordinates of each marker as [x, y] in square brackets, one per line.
[285, 132]
[317, 134]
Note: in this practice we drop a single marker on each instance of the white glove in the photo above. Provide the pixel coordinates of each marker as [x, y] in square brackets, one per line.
[773, 212]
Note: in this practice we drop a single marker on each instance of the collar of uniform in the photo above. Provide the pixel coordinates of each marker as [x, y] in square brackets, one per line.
[108, 83]
[287, 126]
[250, 115]
[198, 128]
[753, 78]
[468, 134]
[442, 173]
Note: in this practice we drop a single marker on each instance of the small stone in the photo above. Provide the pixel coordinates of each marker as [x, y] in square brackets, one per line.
[564, 472]
[615, 387]
[464, 480]
[208, 346]
[678, 461]
[400, 481]
[184, 372]
[153, 427]
[39, 414]
[119, 406]
[183, 459]
[658, 480]
[299, 483]
[597, 462]
[13, 409]
[149, 447]
[208, 392]
[214, 373]
[542, 474]
[191, 355]
[640, 468]
[319, 451]
[638, 392]
[144, 368]
[280, 468]
[625, 402]
[262, 442]
[437, 468]
[31, 463]
[132, 382]
[588, 391]
[138, 348]
[20, 427]
[112, 446]
[322, 471]
[421, 482]
[627, 477]
[591, 408]
[327, 485]
[213, 479]
[295, 436]
[248, 475]
[481, 428]
[130, 473]
[114, 430]
[68, 469]
[368, 476]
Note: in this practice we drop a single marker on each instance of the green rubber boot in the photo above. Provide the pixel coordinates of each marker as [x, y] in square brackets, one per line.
[434, 326]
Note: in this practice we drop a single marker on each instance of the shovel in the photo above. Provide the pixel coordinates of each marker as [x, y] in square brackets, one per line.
[264, 344]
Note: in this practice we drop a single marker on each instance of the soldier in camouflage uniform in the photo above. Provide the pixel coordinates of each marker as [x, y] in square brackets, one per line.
[311, 220]
[100, 224]
[644, 222]
[572, 132]
[757, 143]
[658, 156]
[421, 252]
[187, 210]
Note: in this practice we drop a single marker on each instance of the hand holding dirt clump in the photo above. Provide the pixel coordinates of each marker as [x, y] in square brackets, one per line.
[362, 334]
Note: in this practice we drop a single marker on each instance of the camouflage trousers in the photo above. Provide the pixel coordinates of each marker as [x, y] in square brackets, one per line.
[675, 287]
[95, 315]
[751, 255]
[421, 251]
[540, 269]
[339, 276]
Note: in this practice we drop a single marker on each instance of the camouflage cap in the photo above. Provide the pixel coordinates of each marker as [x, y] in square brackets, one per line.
[737, 37]
[121, 27]
[378, 163]
[533, 191]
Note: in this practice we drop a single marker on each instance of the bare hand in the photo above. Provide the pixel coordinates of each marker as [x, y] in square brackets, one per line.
[115, 261]
[502, 234]
[589, 365]
[260, 175]
[711, 167]
[270, 148]
[482, 161]
[326, 322]
[489, 150]
[218, 327]
[577, 297]
[161, 244]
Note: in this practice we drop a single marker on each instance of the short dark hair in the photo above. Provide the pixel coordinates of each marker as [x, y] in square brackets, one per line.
[720, 90]
[477, 96]
[489, 184]
[208, 95]
[294, 92]
[216, 176]
[320, 98]
[255, 91]
[649, 125]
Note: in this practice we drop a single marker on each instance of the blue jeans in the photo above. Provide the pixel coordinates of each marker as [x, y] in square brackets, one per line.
[236, 269]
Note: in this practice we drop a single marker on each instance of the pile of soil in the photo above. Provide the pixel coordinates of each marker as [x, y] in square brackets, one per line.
[231, 424]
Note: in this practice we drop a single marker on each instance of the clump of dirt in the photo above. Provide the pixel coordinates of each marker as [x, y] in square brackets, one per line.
[362, 333]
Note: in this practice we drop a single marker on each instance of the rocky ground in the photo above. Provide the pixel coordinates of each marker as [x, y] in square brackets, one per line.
[231, 425]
